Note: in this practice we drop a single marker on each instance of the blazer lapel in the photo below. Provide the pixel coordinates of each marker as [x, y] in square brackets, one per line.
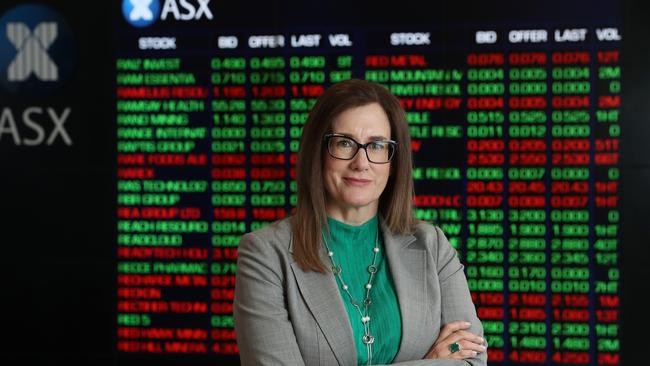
[324, 301]
[407, 262]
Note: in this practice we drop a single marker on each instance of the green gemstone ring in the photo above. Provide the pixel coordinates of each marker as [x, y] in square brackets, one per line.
[454, 347]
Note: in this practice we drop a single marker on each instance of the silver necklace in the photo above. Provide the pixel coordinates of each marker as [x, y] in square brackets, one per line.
[368, 339]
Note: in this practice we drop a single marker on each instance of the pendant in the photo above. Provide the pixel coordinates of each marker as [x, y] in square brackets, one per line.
[368, 339]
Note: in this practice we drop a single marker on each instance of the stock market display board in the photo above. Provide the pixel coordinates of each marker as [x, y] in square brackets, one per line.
[515, 136]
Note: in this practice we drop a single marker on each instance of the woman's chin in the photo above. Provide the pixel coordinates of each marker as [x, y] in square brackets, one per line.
[359, 203]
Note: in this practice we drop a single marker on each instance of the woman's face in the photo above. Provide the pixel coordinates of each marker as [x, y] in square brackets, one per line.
[356, 184]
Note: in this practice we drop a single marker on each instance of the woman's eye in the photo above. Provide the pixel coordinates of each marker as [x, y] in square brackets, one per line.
[344, 143]
[378, 146]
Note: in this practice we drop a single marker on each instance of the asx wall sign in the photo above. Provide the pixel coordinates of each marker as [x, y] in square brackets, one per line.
[143, 13]
[36, 57]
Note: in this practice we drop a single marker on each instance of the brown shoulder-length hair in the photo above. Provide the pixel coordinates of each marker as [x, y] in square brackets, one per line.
[395, 203]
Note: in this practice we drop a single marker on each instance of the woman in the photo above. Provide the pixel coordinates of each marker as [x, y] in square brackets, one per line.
[352, 278]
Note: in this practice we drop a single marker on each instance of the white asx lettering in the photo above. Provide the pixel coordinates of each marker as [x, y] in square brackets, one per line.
[32, 119]
[189, 10]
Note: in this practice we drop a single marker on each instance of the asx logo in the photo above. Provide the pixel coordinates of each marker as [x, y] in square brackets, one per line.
[143, 13]
[31, 56]
[36, 55]
[36, 49]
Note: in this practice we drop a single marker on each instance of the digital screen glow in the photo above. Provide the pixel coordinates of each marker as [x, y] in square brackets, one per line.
[516, 149]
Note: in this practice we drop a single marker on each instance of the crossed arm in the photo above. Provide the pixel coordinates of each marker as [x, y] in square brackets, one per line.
[265, 334]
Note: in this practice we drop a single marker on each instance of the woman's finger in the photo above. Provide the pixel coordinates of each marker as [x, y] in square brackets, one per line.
[471, 346]
[463, 344]
[466, 353]
[467, 344]
[465, 335]
[452, 327]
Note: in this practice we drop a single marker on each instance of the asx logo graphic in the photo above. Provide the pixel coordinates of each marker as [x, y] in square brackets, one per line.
[36, 50]
[32, 54]
[143, 13]
[36, 56]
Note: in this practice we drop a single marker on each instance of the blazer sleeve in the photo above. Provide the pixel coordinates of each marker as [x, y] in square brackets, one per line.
[264, 332]
[455, 296]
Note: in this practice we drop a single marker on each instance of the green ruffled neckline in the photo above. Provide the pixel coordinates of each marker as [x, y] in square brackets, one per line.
[342, 224]
[346, 233]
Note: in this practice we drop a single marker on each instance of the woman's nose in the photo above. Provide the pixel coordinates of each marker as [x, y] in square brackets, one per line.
[360, 160]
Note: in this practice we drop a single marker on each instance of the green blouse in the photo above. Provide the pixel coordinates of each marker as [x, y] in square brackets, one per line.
[353, 251]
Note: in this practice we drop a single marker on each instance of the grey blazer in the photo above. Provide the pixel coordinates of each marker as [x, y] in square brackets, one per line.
[286, 316]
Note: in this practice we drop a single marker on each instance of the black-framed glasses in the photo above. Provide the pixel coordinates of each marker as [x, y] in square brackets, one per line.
[346, 148]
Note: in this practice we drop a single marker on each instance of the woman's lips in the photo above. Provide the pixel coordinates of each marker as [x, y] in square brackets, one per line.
[357, 182]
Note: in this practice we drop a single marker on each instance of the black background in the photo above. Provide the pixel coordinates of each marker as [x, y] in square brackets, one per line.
[57, 203]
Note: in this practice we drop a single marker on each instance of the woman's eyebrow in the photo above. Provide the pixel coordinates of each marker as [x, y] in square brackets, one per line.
[371, 138]
[374, 138]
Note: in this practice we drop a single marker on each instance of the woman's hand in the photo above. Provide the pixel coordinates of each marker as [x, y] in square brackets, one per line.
[454, 332]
